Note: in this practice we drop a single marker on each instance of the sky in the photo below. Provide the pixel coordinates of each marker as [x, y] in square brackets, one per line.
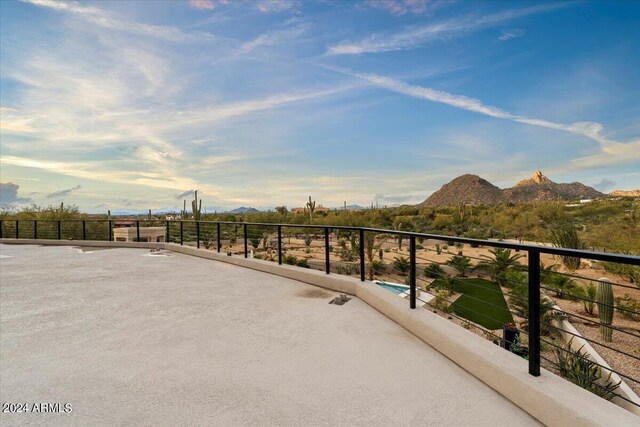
[132, 105]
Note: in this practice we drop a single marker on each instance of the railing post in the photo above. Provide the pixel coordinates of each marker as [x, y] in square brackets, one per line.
[198, 234]
[17, 234]
[110, 230]
[1, 229]
[534, 313]
[181, 232]
[59, 230]
[35, 229]
[280, 244]
[137, 230]
[167, 239]
[218, 236]
[84, 230]
[362, 275]
[412, 271]
[327, 261]
[244, 232]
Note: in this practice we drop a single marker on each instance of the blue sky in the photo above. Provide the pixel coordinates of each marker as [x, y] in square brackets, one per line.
[125, 105]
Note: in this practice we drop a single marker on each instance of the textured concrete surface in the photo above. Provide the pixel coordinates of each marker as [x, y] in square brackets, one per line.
[128, 338]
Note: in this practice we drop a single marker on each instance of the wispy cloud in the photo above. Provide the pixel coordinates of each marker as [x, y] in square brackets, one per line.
[417, 36]
[402, 7]
[105, 19]
[185, 194]
[63, 193]
[612, 152]
[275, 6]
[511, 34]
[201, 4]
[273, 38]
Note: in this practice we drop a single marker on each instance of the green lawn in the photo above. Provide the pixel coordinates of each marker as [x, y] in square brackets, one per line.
[482, 302]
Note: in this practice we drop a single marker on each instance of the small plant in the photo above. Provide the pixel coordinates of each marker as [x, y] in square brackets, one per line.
[561, 284]
[307, 241]
[255, 242]
[628, 307]
[419, 247]
[303, 263]
[445, 247]
[438, 249]
[433, 270]
[401, 264]
[307, 250]
[460, 263]
[587, 295]
[379, 267]
[440, 301]
[577, 368]
[290, 259]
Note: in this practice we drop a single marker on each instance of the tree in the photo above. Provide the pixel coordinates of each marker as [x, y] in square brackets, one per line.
[282, 210]
[460, 263]
[565, 235]
[499, 263]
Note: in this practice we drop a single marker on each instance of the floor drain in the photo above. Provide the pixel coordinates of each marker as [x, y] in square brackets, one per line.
[341, 300]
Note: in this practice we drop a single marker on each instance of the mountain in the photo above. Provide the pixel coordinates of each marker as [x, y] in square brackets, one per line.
[539, 187]
[243, 210]
[468, 189]
[625, 193]
[473, 190]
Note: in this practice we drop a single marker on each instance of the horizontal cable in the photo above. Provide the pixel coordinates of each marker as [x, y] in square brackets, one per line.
[591, 340]
[595, 363]
[590, 300]
[592, 382]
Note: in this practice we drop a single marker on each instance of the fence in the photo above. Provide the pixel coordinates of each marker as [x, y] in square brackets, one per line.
[506, 301]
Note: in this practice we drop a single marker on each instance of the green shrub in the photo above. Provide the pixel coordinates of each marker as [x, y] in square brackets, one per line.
[290, 259]
[575, 367]
[434, 271]
[401, 264]
[379, 267]
[303, 263]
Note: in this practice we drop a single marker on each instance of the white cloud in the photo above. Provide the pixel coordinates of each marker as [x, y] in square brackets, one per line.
[612, 152]
[417, 36]
[511, 34]
[273, 38]
[105, 19]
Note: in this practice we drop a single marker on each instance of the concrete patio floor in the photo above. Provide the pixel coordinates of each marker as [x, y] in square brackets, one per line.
[129, 338]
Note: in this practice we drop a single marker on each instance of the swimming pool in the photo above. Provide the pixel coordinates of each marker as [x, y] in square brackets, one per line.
[396, 288]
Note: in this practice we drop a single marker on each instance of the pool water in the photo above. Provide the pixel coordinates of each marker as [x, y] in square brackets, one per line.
[396, 289]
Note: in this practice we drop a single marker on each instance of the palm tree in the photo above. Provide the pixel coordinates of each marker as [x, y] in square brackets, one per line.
[460, 263]
[499, 263]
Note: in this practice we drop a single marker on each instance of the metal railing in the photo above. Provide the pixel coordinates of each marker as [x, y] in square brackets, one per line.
[212, 234]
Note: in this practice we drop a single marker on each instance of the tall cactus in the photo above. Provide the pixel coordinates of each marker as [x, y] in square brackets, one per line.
[149, 216]
[311, 207]
[195, 207]
[604, 298]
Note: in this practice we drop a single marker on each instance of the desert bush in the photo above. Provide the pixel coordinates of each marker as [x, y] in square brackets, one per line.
[379, 267]
[401, 264]
[433, 270]
[303, 263]
[628, 303]
[290, 259]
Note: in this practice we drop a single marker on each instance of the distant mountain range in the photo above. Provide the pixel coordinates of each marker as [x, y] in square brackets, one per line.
[242, 209]
[473, 190]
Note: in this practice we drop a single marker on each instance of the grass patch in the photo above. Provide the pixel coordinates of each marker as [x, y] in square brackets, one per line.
[482, 302]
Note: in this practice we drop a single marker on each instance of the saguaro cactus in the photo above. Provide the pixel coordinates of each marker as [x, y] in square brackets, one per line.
[604, 298]
[195, 207]
[311, 207]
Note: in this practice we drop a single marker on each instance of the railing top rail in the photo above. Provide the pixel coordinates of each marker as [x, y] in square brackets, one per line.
[551, 250]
